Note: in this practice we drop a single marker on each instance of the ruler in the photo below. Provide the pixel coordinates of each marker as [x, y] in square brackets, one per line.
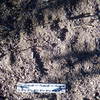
[41, 88]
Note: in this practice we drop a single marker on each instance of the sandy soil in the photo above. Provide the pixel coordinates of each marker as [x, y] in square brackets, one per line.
[50, 41]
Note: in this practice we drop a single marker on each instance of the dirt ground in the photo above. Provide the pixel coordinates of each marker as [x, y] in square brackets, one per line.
[50, 41]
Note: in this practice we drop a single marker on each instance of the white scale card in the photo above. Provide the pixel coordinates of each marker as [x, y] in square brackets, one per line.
[41, 88]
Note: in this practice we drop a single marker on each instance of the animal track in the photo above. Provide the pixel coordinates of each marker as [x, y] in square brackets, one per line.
[55, 26]
[28, 26]
[62, 35]
[38, 60]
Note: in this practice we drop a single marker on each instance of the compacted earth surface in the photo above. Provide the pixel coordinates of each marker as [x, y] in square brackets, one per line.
[50, 41]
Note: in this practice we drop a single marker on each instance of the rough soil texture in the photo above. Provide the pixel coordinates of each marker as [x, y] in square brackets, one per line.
[50, 41]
